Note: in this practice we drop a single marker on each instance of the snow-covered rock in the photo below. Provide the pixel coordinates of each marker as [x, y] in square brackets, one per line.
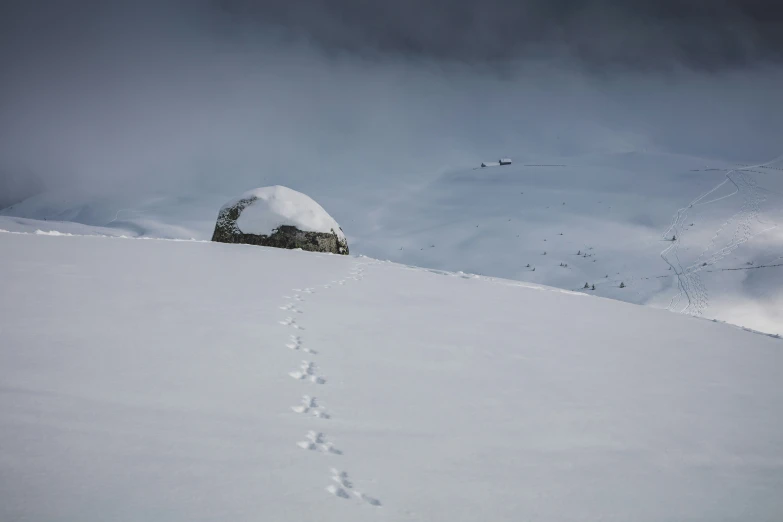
[279, 217]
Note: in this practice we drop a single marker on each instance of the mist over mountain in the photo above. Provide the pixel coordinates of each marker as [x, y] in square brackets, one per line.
[110, 96]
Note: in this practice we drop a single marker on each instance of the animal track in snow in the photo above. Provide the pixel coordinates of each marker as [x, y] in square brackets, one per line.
[295, 343]
[341, 477]
[337, 491]
[370, 500]
[310, 405]
[316, 441]
[342, 485]
[291, 308]
[356, 275]
[307, 371]
[290, 321]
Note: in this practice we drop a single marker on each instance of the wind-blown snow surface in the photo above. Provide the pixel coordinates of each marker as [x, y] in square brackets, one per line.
[180, 381]
[601, 219]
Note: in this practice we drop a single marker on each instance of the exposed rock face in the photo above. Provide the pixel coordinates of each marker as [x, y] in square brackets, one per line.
[285, 236]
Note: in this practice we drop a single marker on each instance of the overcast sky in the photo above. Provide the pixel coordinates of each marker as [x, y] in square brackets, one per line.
[702, 34]
[226, 94]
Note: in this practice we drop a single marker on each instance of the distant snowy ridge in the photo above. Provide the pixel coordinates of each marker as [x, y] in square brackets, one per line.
[527, 221]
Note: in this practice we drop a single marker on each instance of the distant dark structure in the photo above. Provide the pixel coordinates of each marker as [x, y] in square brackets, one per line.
[501, 161]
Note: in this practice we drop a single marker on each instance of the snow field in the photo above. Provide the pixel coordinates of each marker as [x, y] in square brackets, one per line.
[144, 379]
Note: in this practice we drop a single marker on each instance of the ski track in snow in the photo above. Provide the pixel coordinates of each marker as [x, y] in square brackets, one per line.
[309, 371]
[691, 288]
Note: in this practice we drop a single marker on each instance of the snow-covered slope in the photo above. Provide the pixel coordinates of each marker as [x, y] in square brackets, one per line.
[182, 381]
[602, 219]
[156, 215]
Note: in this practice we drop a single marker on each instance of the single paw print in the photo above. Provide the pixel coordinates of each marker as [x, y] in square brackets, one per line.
[343, 485]
[309, 405]
[290, 321]
[317, 441]
[307, 370]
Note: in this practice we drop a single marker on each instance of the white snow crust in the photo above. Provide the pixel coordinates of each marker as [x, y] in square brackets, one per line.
[276, 206]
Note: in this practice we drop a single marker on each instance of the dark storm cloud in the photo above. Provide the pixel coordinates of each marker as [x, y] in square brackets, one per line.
[704, 34]
[225, 95]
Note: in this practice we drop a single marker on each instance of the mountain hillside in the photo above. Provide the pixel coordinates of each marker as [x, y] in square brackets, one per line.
[180, 381]
[607, 220]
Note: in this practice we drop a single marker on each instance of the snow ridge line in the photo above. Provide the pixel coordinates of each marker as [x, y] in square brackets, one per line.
[55, 233]
[494, 280]
[690, 285]
[341, 486]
